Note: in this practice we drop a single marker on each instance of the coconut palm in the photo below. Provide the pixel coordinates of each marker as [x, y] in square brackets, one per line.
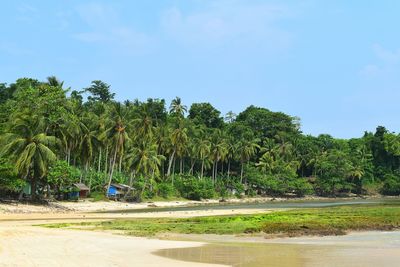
[143, 123]
[143, 159]
[179, 139]
[203, 151]
[118, 137]
[89, 142]
[247, 149]
[29, 148]
[218, 150]
[177, 107]
[54, 81]
[266, 163]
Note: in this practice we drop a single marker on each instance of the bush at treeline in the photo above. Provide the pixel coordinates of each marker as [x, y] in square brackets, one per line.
[53, 137]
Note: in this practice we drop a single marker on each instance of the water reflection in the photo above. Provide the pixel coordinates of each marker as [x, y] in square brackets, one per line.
[366, 250]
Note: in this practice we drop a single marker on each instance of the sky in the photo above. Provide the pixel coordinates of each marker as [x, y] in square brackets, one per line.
[334, 64]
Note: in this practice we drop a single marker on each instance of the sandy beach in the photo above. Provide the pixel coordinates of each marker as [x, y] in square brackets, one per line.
[23, 244]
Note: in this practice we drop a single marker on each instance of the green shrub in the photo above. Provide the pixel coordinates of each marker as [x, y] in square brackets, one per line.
[301, 187]
[166, 190]
[98, 196]
[391, 186]
[194, 188]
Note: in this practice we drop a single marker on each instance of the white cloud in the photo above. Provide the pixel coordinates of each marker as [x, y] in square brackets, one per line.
[385, 55]
[227, 21]
[370, 70]
[27, 13]
[97, 15]
[14, 49]
[106, 28]
[386, 65]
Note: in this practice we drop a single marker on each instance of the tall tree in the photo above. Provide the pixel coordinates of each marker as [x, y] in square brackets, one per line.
[29, 148]
[118, 137]
[177, 108]
[100, 91]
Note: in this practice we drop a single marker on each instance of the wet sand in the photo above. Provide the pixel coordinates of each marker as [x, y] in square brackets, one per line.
[367, 249]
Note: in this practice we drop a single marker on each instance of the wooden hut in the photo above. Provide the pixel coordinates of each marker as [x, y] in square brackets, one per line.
[117, 191]
[83, 190]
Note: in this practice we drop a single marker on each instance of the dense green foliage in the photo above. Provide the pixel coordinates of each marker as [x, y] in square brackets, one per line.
[53, 137]
[317, 221]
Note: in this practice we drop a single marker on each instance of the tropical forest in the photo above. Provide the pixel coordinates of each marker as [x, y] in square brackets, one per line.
[53, 137]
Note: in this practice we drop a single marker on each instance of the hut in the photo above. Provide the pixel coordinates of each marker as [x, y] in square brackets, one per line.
[82, 191]
[27, 190]
[118, 191]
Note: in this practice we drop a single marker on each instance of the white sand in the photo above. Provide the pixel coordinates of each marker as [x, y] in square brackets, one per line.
[24, 245]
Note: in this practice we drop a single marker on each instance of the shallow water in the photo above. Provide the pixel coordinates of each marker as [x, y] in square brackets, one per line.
[264, 205]
[361, 249]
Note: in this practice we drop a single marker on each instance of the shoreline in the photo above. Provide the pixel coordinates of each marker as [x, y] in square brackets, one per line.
[261, 238]
[88, 206]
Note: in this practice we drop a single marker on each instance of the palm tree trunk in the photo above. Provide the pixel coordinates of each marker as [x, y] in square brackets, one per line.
[171, 159]
[173, 166]
[66, 152]
[86, 168]
[112, 169]
[181, 166]
[120, 163]
[216, 171]
[202, 169]
[34, 195]
[130, 185]
[213, 169]
[241, 173]
[229, 167]
[90, 182]
[99, 165]
[106, 161]
[69, 155]
[192, 167]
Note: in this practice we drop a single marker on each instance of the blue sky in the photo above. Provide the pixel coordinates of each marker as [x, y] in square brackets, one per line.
[335, 64]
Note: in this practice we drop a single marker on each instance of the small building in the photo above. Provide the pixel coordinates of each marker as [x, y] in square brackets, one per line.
[27, 189]
[118, 191]
[82, 191]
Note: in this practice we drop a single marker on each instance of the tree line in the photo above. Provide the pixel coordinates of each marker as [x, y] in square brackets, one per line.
[52, 137]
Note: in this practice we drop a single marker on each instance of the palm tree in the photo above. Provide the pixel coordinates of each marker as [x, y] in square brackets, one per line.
[179, 139]
[230, 117]
[247, 149]
[231, 149]
[266, 163]
[29, 148]
[218, 150]
[88, 143]
[143, 158]
[69, 133]
[203, 150]
[118, 137]
[162, 139]
[177, 107]
[144, 123]
[54, 81]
